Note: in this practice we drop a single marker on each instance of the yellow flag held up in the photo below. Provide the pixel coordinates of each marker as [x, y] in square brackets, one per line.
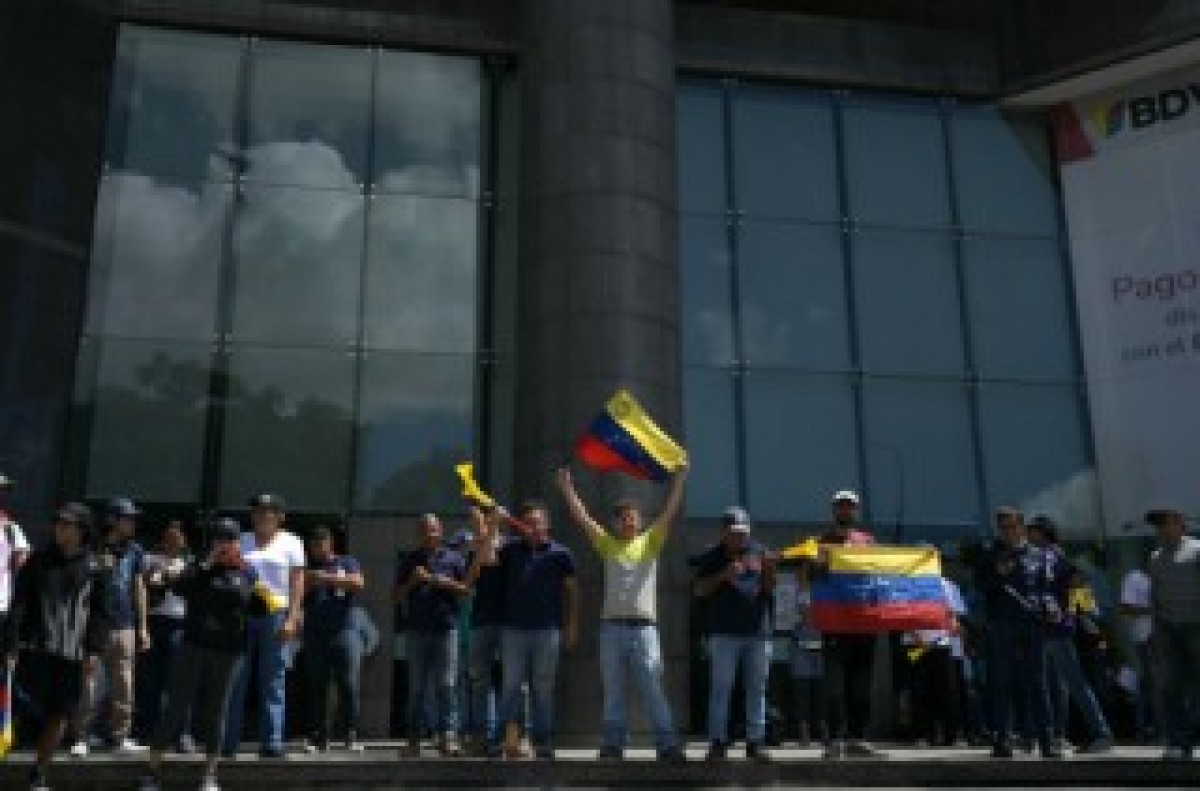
[470, 489]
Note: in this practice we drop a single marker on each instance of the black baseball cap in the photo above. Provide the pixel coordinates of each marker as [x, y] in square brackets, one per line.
[119, 507]
[320, 533]
[77, 514]
[1160, 516]
[226, 529]
[268, 501]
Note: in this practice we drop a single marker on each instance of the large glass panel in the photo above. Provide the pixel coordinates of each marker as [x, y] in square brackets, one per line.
[427, 124]
[1036, 341]
[156, 258]
[793, 295]
[148, 420]
[710, 437]
[171, 115]
[309, 114]
[1004, 174]
[785, 161]
[288, 425]
[1036, 452]
[907, 303]
[416, 421]
[299, 259]
[705, 283]
[422, 270]
[895, 164]
[701, 154]
[920, 457]
[800, 445]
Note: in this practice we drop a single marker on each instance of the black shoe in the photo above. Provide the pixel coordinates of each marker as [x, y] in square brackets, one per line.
[37, 779]
[717, 751]
[857, 748]
[1052, 752]
[757, 753]
[271, 752]
[610, 754]
[672, 755]
[1002, 751]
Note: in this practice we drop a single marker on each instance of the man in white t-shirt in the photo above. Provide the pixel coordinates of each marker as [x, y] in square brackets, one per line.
[1135, 606]
[14, 549]
[277, 556]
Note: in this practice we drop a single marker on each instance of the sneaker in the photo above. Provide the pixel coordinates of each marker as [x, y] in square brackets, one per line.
[1002, 751]
[1097, 746]
[209, 783]
[610, 754]
[271, 752]
[1053, 752]
[187, 744]
[149, 782]
[717, 751]
[412, 749]
[353, 745]
[834, 751]
[80, 749]
[127, 746]
[672, 755]
[449, 747]
[544, 753]
[757, 753]
[861, 749]
[37, 780]
[313, 746]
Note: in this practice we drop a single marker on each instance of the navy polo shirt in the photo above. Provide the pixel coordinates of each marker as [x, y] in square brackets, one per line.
[326, 609]
[533, 583]
[742, 607]
[430, 608]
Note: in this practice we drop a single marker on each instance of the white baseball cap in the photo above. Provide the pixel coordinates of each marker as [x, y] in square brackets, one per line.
[844, 495]
[736, 519]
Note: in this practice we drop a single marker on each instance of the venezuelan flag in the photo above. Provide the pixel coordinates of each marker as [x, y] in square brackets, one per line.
[6, 710]
[623, 438]
[880, 589]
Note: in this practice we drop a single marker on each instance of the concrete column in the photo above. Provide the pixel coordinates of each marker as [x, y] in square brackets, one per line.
[599, 277]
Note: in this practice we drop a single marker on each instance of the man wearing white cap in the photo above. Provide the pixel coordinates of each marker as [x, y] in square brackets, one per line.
[849, 658]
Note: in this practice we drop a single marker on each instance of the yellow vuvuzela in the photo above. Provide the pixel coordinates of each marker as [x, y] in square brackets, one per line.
[471, 490]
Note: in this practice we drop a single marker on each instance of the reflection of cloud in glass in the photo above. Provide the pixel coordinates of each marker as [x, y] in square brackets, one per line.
[157, 250]
[1074, 503]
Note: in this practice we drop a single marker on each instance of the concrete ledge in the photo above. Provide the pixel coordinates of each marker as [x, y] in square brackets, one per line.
[380, 768]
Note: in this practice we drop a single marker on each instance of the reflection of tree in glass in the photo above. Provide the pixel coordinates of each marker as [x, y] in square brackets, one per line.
[426, 484]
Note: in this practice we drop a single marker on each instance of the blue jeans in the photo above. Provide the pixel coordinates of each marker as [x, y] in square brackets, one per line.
[1065, 682]
[432, 659]
[336, 657]
[633, 647]
[725, 651]
[269, 655]
[530, 655]
[1177, 649]
[1017, 679]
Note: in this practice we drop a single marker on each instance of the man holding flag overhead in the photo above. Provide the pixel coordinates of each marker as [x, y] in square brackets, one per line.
[629, 640]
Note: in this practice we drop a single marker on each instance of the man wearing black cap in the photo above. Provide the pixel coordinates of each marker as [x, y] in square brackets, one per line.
[736, 578]
[277, 557]
[221, 597]
[333, 645]
[124, 561]
[14, 548]
[59, 620]
[1175, 606]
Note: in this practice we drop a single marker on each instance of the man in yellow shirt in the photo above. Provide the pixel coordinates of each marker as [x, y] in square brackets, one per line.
[629, 640]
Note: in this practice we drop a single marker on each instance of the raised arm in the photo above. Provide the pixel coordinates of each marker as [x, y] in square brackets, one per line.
[670, 509]
[579, 512]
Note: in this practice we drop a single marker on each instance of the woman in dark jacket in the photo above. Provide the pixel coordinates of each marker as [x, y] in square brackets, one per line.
[222, 594]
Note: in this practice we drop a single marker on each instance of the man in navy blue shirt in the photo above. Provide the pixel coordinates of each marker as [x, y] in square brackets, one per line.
[123, 560]
[736, 579]
[541, 616]
[333, 645]
[431, 582]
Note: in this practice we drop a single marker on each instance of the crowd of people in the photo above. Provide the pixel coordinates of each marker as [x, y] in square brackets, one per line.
[488, 613]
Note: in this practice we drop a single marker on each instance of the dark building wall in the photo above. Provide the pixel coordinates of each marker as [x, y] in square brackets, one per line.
[55, 62]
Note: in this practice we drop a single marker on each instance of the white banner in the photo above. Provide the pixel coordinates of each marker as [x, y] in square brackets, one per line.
[1130, 165]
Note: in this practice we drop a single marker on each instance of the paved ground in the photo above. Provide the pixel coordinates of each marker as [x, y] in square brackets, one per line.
[381, 768]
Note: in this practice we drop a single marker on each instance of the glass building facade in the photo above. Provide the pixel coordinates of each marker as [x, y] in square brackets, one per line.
[876, 297]
[293, 256]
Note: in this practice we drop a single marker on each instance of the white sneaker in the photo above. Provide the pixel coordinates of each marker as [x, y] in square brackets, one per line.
[209, 783]
[128, 746]
[79, 749]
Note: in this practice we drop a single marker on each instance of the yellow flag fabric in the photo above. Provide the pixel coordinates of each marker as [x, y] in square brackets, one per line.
[273, 600]
[628, 413]
[470, 489]
[893, 561]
